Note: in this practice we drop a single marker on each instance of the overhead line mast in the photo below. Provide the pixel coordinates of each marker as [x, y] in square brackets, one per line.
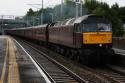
[77, 7]
[42, 13]
[61, 8]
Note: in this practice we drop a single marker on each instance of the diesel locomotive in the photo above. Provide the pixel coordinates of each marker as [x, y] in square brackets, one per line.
[87, 38]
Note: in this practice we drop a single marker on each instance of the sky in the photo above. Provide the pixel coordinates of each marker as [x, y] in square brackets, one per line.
[20, 7]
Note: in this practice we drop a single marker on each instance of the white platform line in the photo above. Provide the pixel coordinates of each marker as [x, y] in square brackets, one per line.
[34, 62]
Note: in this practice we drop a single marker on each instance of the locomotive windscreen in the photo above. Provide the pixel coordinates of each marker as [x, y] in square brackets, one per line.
[94, 24]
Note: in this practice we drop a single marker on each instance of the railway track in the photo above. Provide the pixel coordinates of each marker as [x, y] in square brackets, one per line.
[111, 75]
[56, 72]
[92, 75]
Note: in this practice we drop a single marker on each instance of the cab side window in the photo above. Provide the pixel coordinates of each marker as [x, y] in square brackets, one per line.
[77, 28]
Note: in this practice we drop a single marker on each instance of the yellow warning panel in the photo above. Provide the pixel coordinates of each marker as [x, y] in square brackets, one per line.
[13, 71]
[97, 38]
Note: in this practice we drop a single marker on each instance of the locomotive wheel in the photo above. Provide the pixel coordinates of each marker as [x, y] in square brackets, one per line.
[75, 55]
[70, 54]
[62, 51]
[66, 52]
[84, 60]
[57, 49]
[77, 58]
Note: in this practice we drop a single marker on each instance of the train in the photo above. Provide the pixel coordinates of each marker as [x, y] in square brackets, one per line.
[87, 38]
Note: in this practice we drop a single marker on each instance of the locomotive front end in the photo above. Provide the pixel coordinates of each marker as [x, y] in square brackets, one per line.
[96, 39]
[98, 34]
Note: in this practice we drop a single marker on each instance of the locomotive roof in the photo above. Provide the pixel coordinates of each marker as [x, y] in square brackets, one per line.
[73, 21]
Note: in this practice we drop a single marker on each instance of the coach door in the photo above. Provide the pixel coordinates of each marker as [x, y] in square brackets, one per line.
[47, 34]
[77, 36]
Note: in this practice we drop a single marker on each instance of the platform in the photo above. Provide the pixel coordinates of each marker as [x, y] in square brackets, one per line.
[15, 65]
[3, 48]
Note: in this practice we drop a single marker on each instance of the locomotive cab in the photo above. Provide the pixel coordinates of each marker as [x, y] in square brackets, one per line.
[96, 38]
[95, 31]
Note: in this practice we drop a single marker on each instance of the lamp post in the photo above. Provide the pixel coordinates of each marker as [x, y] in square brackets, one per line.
[2, 24]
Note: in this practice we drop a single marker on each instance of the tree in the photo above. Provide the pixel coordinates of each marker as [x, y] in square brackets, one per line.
[122, 13]
[113, 14]
[30, 12]
[116, 20]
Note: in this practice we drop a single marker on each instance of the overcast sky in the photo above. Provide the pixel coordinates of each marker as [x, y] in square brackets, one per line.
[19, 7]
